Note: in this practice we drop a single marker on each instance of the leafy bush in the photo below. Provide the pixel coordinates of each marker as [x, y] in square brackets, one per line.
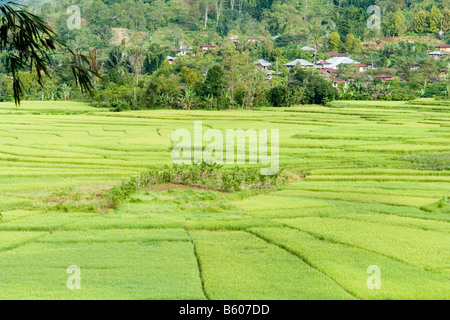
[209, 176]
[279, 96]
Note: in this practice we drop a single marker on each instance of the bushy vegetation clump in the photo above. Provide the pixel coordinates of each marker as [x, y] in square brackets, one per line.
[205, 176]
[208, 176]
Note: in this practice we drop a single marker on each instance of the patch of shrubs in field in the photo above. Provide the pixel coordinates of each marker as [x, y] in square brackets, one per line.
[436, 162]
[207, 176]
[441, 206]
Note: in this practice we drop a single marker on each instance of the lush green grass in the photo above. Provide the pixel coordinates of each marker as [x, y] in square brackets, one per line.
[112, 266]
[238, 265]
[375, 193]
[348, 264]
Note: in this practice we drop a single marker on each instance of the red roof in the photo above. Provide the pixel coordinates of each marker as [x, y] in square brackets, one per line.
[334, 54]
[443, 46]
[384, 76]
[336, 79]
[207, 46]
[329, 70]
[361, 65]
[359, 75]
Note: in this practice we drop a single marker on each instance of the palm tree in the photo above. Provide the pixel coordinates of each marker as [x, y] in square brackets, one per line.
[28, 42]
[116, 58]
[136, 58]
[316, 39]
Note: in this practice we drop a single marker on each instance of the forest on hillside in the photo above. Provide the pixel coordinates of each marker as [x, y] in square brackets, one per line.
[152, 53]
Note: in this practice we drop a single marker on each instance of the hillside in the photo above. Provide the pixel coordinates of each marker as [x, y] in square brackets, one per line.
[152, 54]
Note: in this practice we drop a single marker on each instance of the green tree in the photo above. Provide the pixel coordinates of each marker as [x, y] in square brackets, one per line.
[115, 58]
[191, 77]
[279, 96]
[446, 20]
[334, 41]
[352, 44]
[397, 25]
[163, 88]
[419, 24]
[428, 70]
[214, 82]
[434, 20]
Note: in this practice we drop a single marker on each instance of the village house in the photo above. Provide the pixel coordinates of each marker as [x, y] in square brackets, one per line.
[359, 75]
[327, 71]
[306, 48]
[362, 67]
[182, 51]
[336, 81]
[335, 62]
[256, 39]
[322, 64]
[262, 64]
[334, 54]
[302, 62]
[234, 38]
[443, 48]
[384, 77]
[271, 73]
[170, 59]
[436, 55]
[207, 47]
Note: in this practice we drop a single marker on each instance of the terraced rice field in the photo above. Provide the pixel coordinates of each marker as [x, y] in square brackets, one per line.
[374, 194]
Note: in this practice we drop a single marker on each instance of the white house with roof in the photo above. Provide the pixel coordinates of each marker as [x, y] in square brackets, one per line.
[170, 59]
[307, 48]
[301, 62]
[262, 64]
[322, 64]
[436, 54]
[335, 62]
[443, 48]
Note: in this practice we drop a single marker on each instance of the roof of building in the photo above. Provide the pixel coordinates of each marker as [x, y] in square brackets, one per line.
[302, 63]
[207, 46]
[360, 75]
[257, 38]
[443, 46]
[383, 75]
[336, 79]
[307, 48]
[324, 70]
[334, 54]
[336, 61]
[436, 53]
[361, 65]
[263, 63]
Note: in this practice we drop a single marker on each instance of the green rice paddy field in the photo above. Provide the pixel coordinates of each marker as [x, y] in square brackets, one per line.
[375, 193]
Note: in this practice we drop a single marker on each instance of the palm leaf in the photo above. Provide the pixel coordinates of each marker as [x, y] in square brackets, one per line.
[29, 42]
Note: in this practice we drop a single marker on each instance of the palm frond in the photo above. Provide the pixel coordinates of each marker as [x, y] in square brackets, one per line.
[29, 42]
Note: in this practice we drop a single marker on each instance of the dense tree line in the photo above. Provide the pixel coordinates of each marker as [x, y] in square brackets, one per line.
[128, 42]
